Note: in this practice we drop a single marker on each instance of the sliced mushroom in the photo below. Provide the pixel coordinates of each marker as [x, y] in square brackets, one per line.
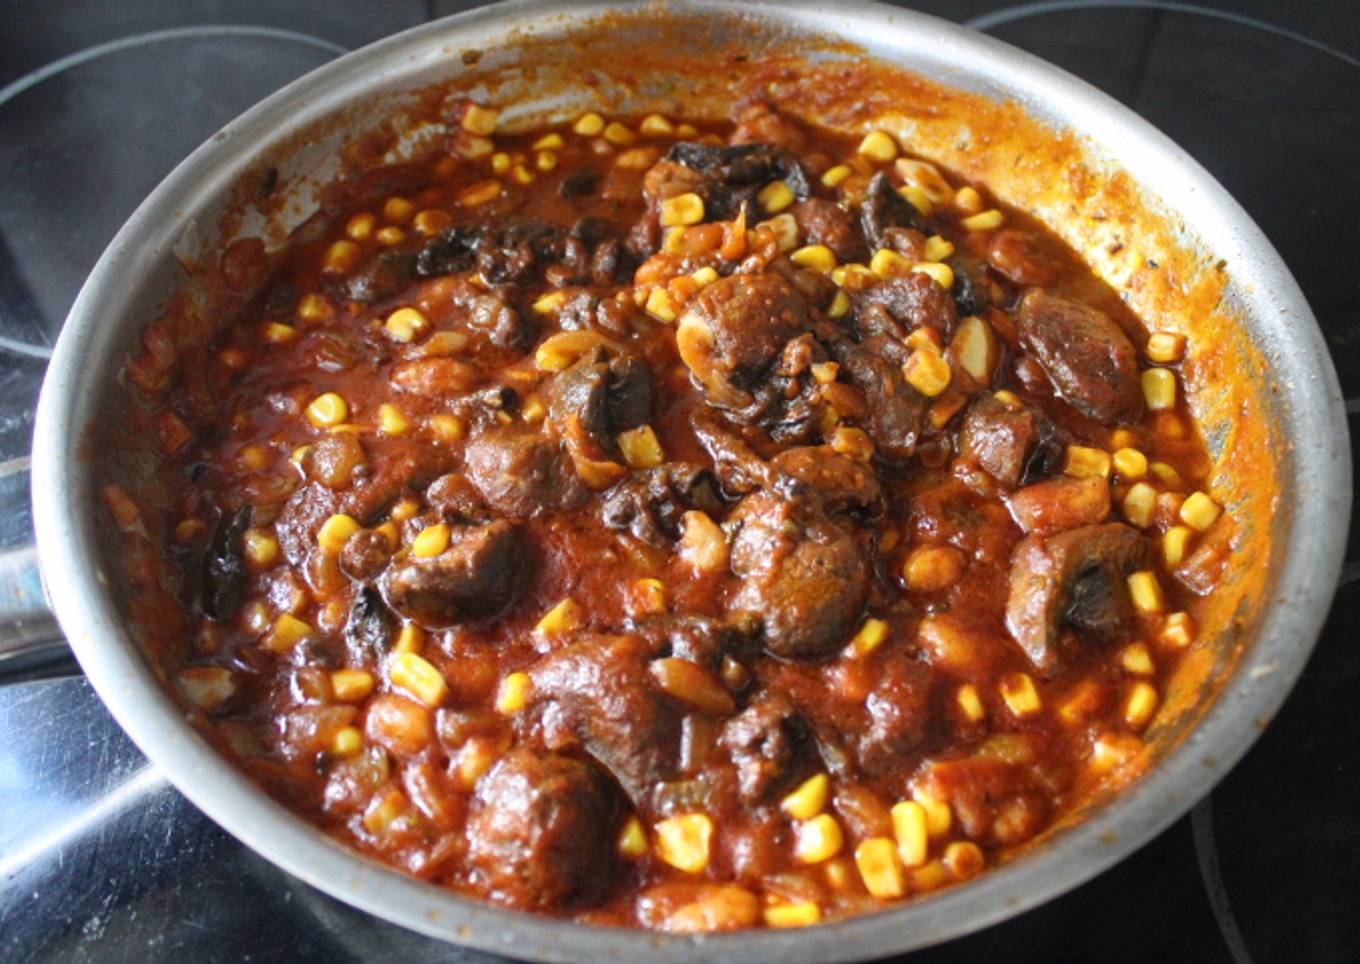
[1087, 357]
[1076, 579]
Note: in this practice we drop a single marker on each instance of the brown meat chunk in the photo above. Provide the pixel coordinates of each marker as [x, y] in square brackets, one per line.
[1089, 359]
[735, 329]
[838, 483]
[365, 554]
[1075, 579]
[541, 831]
[805, 578]
[897, 708]
[522, 474]
[913, 300]
[826, 222]
[480, 573]
[896, 410]
[765, 742]
[999, 438]
[599, 693]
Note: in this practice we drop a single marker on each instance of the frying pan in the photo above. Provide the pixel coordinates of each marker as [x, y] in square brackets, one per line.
[1150, 221]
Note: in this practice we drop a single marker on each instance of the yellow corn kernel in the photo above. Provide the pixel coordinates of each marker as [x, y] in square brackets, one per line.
[351, 685]
[1178, 631]
[431, 541]
[1084, 462]
[390, 235]
[360, 227]
[632, 841]
[552, 301]
[480, 120]
[233, 358]
[928, 372]
[474, 759]
[924, 337]
[880, 867]
[703, 544]
[706, 275]
[1022, 699]
[187, 530]
[389, 532]
[433, 220]
[419, 677]
[1123, 438]
[1009, 399]
[1130, 463]
[261, 548]
[1112, 750]
[253, 458]
[911, 831]
[549, 142]
[836, 175]
[964, 859]
[340, 257]
[480, 193]
[398, 210]
[474, 147]
[288, 631]
[968, 200]
[785, 230]
[840, 305]
[446, 428]
[1159, 388]
[655, 125]
[1174, 544]
[641, 448]
[589, 124]
[838, 873]
[682, 209]
[1136, 659]
[808, 799]
[1199, 512]
[1139, 504]
[500, 163]
[941, 274]
[775, 197]
[410, 639]
[121, 506]
[801, 914]
[336, 531]
[562, 618]
[930, 877]
[384, 811]
[814, 257]
[983, 221]
[970, 703]
[878, 146]
[818, 839]
[391, 421]
[347, 741]
[932, 568]
[1141, 704]
[1165, 347]
[917, 197]
[1166, 474]
[513, 694]
[660, 305]
[545, 161]
[852, 442]
[522, 175]
[650, 595]
[938, 248]
[939, 818]
[313, 307]
[327, 409]
[618, 135]
[683, 841]
[405, 509]
[405, 325]
[1145, 591]
[686, 130]
[277, 333]
[870, 636]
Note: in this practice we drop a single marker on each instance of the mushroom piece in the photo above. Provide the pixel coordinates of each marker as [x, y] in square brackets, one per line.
[1088, 358]
[735, 329]
[1075, 579]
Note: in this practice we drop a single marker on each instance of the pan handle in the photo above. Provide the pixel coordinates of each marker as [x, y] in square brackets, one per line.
[29, 635]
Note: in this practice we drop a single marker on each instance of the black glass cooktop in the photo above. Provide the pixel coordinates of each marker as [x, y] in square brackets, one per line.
[101, 860]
